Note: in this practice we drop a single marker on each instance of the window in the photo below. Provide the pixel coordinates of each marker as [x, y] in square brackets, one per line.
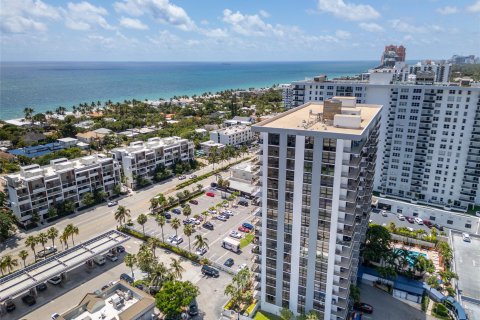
[432, 218]
[449, 221]
[468, 225]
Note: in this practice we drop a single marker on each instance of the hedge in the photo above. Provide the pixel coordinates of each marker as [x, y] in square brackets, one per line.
[425, 301]
[440, 311]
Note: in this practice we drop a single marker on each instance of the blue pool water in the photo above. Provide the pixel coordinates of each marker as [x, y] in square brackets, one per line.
[412, 256]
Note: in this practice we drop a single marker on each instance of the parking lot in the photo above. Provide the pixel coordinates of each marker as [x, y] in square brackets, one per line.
[60, 298]
[378, 218]
[222, 229]
[467, 266]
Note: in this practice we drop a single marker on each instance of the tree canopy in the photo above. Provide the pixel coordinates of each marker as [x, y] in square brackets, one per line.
[175, 296]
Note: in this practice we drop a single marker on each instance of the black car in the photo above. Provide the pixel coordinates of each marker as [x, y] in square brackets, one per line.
[177, 211]
[29, 300]
[10, 305]
[193, 201]
[126, 277]
[41, 287]
[213, 185]
[208, 225]
[229, 262]
[193, 308]
[243, 203]
[363, 307]
[210, 271]
[120, 249]
[167, 215]
[438, 227]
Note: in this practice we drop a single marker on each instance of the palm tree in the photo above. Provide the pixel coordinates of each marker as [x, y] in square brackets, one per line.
[141, 220]
[9, 263]
[161, 220]
[171, 200]
[176, 224]
[176, 268]
[52, 233]
[64, 238]
[159, 274]
[71, 231]
[42, 238]
[188, 231]
[31, 242]
[187, 210]
[28, 113]
[154, 203]
[23, 255]
[130, 261]
[200, 242]
[205, 214]
[154, 243]
[121, 215]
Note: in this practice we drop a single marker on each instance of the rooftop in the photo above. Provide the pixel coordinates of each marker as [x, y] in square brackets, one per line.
[232, 129]
[350, 118]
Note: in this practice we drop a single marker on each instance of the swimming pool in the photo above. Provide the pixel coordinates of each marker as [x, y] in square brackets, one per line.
[412, 255]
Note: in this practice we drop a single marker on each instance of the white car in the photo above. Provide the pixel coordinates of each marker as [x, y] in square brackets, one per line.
[46, 252]
[384, 213]
[212, 211]
[181, 177]
[112, 203]
[228, 212]
[171, 239]
[201, 251]
[221, 218]
[55, 316]
[112, 257]
[466, 237]
[235, 234]
[418, 220]
[241, 267]
[225, 205]
[401, 217]
[193, 176]
[55, 280]
[177, 240]
[410, 229]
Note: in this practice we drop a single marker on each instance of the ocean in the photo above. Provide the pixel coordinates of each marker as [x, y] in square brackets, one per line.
[46, 85]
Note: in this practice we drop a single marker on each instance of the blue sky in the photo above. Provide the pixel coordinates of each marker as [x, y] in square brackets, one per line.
[235, 30]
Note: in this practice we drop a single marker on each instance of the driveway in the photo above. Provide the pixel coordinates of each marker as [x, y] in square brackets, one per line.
[387, 307]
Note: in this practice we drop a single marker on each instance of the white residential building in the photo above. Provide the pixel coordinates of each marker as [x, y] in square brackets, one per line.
[244, 178]
[287, 95]
[36, 189]
[441, 69]
[233, 135]
[317, 169]
[244, 121]
[429, 140]
[208, 145]
[140, 159]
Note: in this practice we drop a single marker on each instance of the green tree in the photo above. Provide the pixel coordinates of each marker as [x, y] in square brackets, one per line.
[154, 243]
[42, 238]
[188, 230]
[161, 221]
[154, 203]
[239, 288]
[121, 215]
[141, 220]
[187, 211]
[175, 225]
[355, 293]
[23, 254]
[52, 233]
[88, 199]
[200, 242]
[71, 230]
[176, 268]
[447, 276]
[175, 296]
[130, 261]
[7, 223]
[286, 314]
[8, 263]
[52, 212]
[145, 260]
[377, 243]
[31, 242]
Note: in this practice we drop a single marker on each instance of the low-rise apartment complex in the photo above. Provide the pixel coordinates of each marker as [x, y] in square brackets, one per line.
[317, 170]
[140, 159]
[233, 135]
[36, 188]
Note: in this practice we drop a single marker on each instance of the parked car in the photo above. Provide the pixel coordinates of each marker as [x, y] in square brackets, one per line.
[112, 203]
[418, 220]
[235, 234]
[182, 177]
[41, 286]
[208, 225]
[120, 249]
[410, 229]
[228, 213]
[187, 221]
[193, 308]
[221, 218]
[126, 277]
[375, 210]
[225, 215]
[171, 238]
[247, 225]
[177, 241]
[193, 176]
[29, 300]
[401, 217]
[243, 203]
[241, 267]
[55, 316]
[243, 229]
[210, 194]
[201, 251]
[213, 211]
[10, 305]
[384, 213]
[213, 185]
[177, 211]
[210, 271]
[112, 257]
[48, 251]
[193, 202]
[410, 219]
[466, 237]
[438, 227]
[55, 280]
[229, 262]
[428, 223]
[167, 215]
[363, 307]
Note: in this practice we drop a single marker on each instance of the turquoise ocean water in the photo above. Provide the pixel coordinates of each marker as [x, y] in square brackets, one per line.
[47, 85]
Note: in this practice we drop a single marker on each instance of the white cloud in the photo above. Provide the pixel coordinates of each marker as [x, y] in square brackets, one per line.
[264, 13]
[204, 22]
[343, 35]
[21, 16]
[85, 16]
[248, 25]
[348, 11]
[160, 10]
[405, 27]
[371, 27]
[106, 42]
[475, 7]
[133, 23]
[447, 10]
[214, 33]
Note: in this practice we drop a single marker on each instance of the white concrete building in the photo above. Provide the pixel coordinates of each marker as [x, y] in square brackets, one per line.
[36, 189]
[208, 145]
[233, 135]
[287, 95]
[242, 121]
[429, 139]
[140, 159]
[441, 69]
[244, 178]
[317, 169]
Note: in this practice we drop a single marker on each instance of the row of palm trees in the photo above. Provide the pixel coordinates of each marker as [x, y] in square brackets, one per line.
[218, 155]
[8, 263]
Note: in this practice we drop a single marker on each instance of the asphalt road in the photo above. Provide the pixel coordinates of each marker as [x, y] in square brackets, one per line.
[393, 217]
[96, 220]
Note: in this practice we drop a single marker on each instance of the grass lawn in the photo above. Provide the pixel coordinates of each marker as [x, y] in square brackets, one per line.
[262, 315]
[247, 240]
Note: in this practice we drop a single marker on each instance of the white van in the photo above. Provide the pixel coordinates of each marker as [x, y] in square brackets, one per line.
[230, 244]
[100, 260]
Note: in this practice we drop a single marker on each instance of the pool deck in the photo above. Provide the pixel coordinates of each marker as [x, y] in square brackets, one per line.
[431, 254]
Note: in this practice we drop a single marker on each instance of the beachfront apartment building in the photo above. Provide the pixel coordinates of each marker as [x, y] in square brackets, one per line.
[140, 159]
[233, 135]
[440, 69]
[36, 189]
[429, 139]
[317, 169]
